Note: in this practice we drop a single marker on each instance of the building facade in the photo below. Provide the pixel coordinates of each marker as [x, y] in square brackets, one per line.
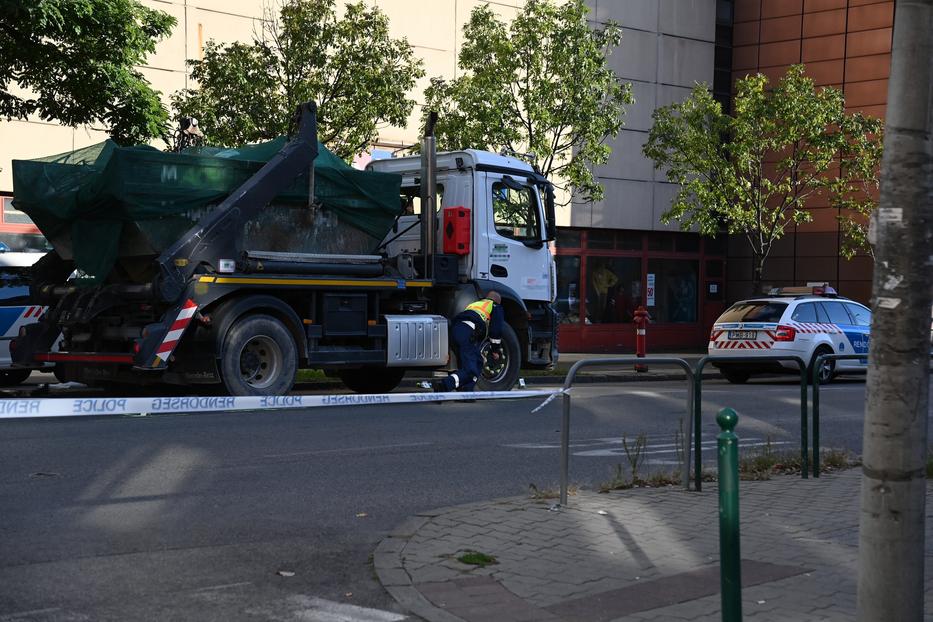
[617, 255]
[845, 44]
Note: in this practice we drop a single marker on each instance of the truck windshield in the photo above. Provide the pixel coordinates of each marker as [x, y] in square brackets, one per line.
[754, 311]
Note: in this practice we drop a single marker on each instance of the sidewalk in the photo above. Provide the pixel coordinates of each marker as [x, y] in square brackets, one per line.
[635, 555]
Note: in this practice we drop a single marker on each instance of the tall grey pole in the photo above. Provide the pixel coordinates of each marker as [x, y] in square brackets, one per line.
[893, 495]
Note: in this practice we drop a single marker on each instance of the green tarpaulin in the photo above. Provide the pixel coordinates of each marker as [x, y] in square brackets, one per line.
[93, 203]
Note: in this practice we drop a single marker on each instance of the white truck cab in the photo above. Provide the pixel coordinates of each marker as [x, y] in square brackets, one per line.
[511, 221]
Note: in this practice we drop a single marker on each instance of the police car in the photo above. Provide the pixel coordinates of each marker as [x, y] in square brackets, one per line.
[15, 308]
[793, 321]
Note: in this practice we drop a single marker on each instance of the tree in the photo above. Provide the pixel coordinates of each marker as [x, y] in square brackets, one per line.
[540, 85]
[349, 65]
[894, 461]
[75, 62]
[755, 172]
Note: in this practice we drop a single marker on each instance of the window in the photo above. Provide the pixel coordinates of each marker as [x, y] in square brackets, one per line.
[663, 242]
[755, 311]
[12, 216]
[805, 313]
[821, 316]
[14, 283]
[687, 243]
[860, 315]
[628, 241]
[613, 289]
[410, 199]
[515, 210]
[837, 313]
[603, 240]
[675, 290]
[568, 238]
[568, 289]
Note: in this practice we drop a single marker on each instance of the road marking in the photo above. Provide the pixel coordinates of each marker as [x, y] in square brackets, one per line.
[321, 610]
[224, 586]
[346, 449]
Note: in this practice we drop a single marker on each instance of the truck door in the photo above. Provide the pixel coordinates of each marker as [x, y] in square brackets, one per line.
[513, 251]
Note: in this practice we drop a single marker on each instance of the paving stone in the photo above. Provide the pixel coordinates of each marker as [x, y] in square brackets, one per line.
[551, 558]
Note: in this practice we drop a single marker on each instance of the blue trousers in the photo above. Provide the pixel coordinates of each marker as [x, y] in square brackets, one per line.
[469, 359]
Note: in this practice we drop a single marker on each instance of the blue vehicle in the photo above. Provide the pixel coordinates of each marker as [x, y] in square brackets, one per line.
[15, 309]
[798, 321]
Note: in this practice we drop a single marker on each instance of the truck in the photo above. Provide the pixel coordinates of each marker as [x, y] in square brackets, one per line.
[221, 306]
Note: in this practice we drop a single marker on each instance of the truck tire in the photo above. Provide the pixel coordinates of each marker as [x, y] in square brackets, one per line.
[13, 377]
[502, 375]
[372, 379]
[259, 357]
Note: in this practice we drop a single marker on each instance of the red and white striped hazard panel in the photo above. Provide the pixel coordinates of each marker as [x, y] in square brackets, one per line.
[175, 331]
[806, 327]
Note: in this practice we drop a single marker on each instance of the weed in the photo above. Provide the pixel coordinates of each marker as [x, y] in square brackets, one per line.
[635, 453]
[549, 493]
[475, 558]
[618, 481]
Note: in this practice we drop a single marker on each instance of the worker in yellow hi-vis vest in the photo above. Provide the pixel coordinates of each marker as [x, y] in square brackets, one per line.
[481, 319]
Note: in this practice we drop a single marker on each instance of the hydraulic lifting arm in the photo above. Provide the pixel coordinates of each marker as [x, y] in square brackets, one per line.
[216, 234]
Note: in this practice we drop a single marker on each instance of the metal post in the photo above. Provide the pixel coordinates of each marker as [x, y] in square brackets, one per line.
[804, 431]
[816, 415]
[688, 435]
[565, 450]
[697, 425]
[730, 569]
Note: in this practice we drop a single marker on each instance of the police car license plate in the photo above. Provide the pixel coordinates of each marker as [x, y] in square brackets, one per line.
[743, 334]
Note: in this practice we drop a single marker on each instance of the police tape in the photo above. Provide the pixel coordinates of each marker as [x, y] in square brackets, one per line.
[23, 408]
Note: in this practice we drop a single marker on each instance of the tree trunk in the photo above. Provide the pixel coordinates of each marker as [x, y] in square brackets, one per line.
[891, 530]
[758, 269]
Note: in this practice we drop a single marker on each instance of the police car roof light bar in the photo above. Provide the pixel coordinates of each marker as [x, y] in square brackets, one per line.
[810, 290]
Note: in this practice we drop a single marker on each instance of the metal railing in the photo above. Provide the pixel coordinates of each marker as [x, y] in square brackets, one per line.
[625, 360]
[698, 408]
[815, 375]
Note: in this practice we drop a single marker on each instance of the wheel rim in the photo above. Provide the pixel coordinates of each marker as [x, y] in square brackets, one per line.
[826, 371]
[494, 371]
[260, 361]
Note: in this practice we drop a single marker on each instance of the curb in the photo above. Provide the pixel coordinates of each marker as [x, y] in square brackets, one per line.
[390, 571]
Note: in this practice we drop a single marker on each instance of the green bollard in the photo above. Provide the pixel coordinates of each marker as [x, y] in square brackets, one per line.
[730, 569]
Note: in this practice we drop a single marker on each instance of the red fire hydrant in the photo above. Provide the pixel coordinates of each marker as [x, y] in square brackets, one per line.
[641, 320]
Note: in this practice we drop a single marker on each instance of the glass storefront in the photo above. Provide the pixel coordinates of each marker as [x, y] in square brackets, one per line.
[613, 289]
[675, 290]
[604, 275]
[568, 289]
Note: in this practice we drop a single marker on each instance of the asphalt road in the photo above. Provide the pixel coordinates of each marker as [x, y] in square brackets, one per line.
[193, 516]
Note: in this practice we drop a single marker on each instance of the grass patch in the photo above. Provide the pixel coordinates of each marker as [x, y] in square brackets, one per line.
[475, 558]
[762, 464]
[312, 375]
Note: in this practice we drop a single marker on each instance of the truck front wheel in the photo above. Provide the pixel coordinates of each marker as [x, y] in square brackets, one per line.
[501, 374]
[259, 357]
[372, 379]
